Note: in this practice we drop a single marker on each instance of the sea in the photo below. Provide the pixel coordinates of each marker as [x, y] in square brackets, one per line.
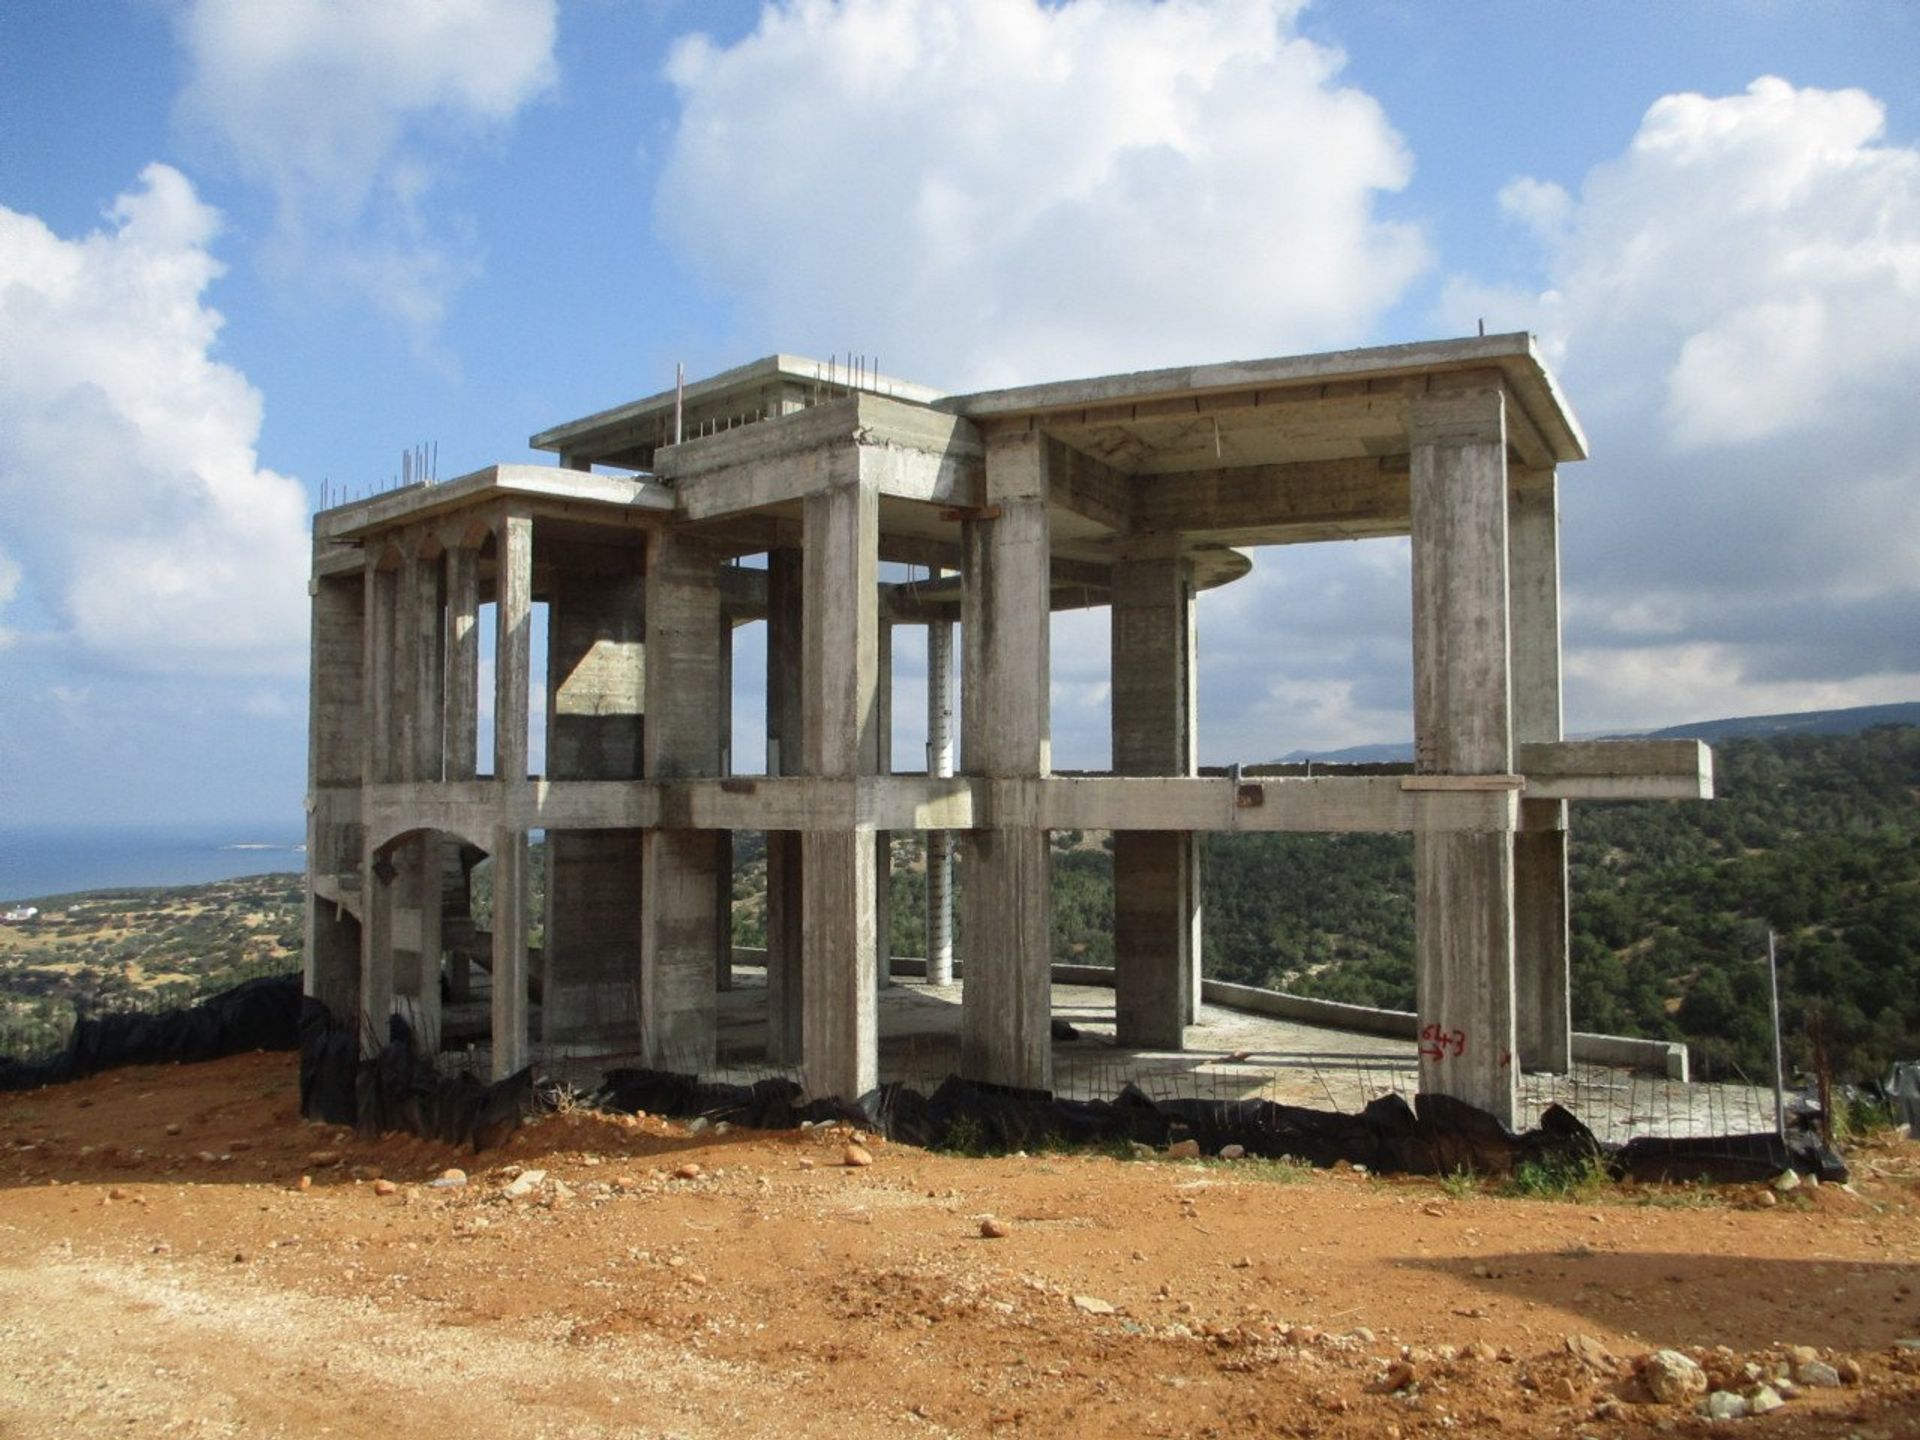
[39, 861]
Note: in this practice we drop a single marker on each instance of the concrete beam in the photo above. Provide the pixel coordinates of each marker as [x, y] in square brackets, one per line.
[1617, 770]
[1279, 504]
[1376, 804]
[901, 450]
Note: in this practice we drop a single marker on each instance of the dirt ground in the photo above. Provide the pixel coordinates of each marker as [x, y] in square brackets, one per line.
[164, 1273]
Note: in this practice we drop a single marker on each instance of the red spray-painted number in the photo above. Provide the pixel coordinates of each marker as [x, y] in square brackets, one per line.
[1439, 1043]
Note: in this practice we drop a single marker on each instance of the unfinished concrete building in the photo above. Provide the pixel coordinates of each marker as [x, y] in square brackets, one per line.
[1133, 492]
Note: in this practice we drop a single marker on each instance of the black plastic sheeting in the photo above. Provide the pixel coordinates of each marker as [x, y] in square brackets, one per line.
[1727, 1158]
[399, 1089]
[261, 1014]
[1435, 1135]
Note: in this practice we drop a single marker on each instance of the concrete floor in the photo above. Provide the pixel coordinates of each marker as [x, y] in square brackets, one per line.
[1230, 1055]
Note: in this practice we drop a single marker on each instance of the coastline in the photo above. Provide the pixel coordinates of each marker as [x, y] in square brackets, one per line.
[39, 862]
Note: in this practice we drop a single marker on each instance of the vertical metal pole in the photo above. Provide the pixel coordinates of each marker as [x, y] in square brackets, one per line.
[679, 400]
[1779, 1070]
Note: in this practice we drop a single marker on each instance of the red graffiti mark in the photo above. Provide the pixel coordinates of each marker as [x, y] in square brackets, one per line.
[1506, 1059]
[1439, 1043]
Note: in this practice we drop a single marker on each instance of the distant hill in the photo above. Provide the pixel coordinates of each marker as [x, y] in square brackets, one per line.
[1813, 836]
[1739, 727]
[1352, 755]
[1805, 722]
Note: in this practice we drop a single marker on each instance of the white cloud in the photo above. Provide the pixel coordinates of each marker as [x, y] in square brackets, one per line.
[343, 109]
[1734, 302]
[139, 515]
[981, 191]
[9, 587]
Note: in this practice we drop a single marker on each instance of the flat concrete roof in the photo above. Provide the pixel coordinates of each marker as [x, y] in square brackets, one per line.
[358, 519]
[733, 394]
[1514, 355]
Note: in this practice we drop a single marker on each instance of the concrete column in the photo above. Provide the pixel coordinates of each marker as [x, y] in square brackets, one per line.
[723, 839]
[513, 619]
[415, 902]
[376, 723]
[1006, 1009]
[596, 641]
[376, 873]
[461, 645]
[510, 902]
[422, 671]
[376, 951]
[512, 647]
[1156, 874]
[334, 761]
[1544, 1017]
[786, 755]
[940, 842]
[426, 681]
[839, 681]
[463, 662]
[883, 839]
[1464, 887]
[677, 1016]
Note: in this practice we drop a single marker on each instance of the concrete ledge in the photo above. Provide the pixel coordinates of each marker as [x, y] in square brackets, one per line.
[1661, 1057]
[1334, 1014]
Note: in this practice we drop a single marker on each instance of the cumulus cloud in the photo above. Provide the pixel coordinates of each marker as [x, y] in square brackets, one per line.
[1734, 301]
[986, 191]
[345, 109]
[139, 518]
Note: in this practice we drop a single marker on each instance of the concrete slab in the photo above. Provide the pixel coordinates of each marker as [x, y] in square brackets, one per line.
[1229, 1055]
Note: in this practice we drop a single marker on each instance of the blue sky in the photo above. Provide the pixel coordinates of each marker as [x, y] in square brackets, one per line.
[248, 246]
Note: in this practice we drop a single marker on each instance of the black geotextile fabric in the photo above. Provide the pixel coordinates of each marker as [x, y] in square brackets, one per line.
[400, 1089]
[1730, 1158]
[1434, 1136]
[260, 1014]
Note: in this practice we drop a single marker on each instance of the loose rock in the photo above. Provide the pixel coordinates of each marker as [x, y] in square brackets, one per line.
[385, 1187]
[1764, 1400]
[1184, 1150]
[1671, 1377]
[1589, 1352]
[1817, 1375]
[992, 1229]
[1092, 1305]
[1400, 1374]
[1233, 1152]
[689, 1171]
[1725, 1405]
[856, 1156]
[525, 1184]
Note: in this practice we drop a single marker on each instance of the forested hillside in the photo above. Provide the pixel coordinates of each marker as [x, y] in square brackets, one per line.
[1817, 836]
